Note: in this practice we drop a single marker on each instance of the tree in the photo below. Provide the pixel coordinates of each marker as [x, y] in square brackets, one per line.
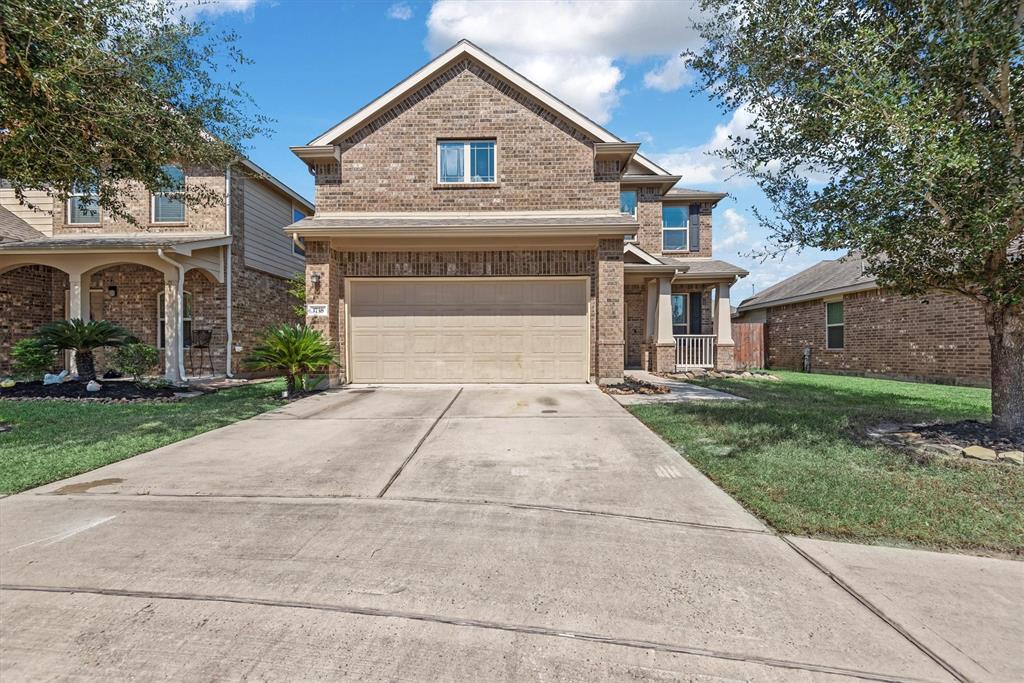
[96, 94]
[82, 337]
[296, 350]
[892, 129]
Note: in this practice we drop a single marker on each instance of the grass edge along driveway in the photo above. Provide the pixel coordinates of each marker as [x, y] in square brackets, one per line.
[52, 440]
[794, 456]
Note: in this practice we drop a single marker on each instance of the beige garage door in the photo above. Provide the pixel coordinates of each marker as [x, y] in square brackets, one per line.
[480, 330]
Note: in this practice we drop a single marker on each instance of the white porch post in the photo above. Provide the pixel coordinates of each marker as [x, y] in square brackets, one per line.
[172, 329]
[78, 307]
[724, 345]
[665, 311]
[652, 308]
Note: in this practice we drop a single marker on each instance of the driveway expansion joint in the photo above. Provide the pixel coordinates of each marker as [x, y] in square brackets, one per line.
[419, 443]
[470, 623]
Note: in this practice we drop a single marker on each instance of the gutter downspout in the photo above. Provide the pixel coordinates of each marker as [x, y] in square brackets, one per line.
[229, 274]
[181, 295]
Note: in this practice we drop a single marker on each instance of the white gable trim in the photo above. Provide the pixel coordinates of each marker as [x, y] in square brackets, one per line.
[457, 51]
[641, 254]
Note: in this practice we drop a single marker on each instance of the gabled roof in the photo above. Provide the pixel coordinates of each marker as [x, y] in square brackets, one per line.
[14, 229]
[847, 274]
[461, 50]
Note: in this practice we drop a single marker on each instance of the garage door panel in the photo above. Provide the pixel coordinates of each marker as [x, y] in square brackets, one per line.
[494, 330]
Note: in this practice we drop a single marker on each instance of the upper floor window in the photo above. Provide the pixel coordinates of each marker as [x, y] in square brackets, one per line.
[169, 202]
[83, 206]
[466, 161]
[300, 248]
[675, 228]
[627, 202]
[834, 325]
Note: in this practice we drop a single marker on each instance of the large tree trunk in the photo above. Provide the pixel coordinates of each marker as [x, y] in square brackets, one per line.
[1006, 338]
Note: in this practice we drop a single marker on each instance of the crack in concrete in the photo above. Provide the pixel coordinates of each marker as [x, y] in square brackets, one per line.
[418, 444]
[473, 623]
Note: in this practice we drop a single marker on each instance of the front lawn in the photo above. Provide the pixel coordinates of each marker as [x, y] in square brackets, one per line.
[792, 454]
[51, 440]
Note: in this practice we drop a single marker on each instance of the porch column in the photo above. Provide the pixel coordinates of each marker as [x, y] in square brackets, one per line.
[611, 340]
[665, 347]
[651, 335]
[78, 307]
[325, 305]
[724, 345]
[172, 329]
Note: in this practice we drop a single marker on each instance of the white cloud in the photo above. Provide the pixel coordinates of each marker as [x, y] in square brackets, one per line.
[193, 8]
[697, 165]
[400, 11]
[672, 75]
[574, 48]
[731, 231]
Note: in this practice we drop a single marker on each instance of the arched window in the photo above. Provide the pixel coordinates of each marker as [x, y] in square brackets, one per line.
[186, 319]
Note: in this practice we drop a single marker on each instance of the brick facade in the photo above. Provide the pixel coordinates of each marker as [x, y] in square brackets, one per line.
[937, 337]
[649, 205]
[542, 162]
[30, 296]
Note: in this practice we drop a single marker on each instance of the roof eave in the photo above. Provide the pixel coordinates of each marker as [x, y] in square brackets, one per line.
[810, 296]
[617, 231]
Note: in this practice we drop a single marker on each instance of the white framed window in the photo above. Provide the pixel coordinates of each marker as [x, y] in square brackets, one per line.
[83, 207]
[627, 202]
[680, 314]
[168, 204]
[296, 248]
[675, 228]
[834, 326]
[466, 161]
[186, 320]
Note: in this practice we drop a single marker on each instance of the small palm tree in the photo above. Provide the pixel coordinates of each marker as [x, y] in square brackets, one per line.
[296, 350]
[83, 338]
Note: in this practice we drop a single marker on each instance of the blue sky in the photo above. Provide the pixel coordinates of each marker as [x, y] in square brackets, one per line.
[317, 61]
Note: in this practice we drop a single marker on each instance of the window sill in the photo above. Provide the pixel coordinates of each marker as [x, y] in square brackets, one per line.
[677, 251]
[828, 350]
[466, 186]
[176, 224]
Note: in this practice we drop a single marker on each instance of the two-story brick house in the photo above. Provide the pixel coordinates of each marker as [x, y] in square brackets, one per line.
[471, 227]
[179, 273]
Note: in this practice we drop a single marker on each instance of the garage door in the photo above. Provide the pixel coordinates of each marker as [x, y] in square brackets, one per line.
[479, 330]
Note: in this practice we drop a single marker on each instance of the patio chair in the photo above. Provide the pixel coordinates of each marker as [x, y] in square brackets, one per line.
[201, 340]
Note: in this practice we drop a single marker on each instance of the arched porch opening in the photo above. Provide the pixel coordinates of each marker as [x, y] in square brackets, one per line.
[31, 295]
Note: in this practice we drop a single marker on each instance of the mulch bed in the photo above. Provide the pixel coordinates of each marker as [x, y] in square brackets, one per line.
[971, 433]
[634, 386]
[71, 391]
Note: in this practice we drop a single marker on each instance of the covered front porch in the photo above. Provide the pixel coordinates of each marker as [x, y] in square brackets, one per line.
[677, 312]
[167, 290]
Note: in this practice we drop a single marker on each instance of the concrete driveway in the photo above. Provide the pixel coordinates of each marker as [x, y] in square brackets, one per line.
[486, 533]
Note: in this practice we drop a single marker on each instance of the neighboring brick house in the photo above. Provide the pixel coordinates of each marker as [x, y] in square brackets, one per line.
[852, 326]
[180, 271]
[470, 227]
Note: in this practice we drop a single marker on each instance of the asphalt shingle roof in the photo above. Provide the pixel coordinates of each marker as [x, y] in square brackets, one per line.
[820, 278]
[14, 229]
[149, 241]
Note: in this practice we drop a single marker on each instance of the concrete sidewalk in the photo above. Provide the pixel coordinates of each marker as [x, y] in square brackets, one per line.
[495, 533]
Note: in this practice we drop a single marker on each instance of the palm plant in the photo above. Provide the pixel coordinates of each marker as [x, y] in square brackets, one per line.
[296, 350]
[82, 337]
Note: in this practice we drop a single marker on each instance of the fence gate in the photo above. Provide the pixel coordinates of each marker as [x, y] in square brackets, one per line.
[749, 351]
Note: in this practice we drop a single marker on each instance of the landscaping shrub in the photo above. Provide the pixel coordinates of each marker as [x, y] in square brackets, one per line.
[82, 337]
[31, 359]
[295, 350]
[136, 359]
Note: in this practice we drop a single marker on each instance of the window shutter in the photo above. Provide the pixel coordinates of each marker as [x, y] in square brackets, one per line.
[694, 227]
[696, 299]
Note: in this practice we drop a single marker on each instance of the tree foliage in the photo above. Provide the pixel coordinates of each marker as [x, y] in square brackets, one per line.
[31, 358]
[95, 94]
[892, 129]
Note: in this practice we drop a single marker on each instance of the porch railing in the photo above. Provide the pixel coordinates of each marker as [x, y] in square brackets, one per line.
[695, 350]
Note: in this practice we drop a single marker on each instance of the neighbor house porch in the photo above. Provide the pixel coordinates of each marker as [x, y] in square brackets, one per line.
[677, 312]
[164, 289]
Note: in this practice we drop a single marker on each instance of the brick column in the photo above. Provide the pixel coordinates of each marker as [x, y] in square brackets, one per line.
[323, 286]
[724, 345]
[610, 325]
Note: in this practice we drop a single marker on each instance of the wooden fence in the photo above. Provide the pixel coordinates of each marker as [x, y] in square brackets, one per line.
[749, 351]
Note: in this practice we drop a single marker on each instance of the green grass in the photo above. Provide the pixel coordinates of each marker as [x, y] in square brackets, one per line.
[51, 440]
[794, 456]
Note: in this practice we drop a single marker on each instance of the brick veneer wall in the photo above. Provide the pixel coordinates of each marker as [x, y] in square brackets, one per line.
[649, 204]
[603, 266]
[937, 337]
[30, 296]
[542, 161]
[636, 323]
[197, 218]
